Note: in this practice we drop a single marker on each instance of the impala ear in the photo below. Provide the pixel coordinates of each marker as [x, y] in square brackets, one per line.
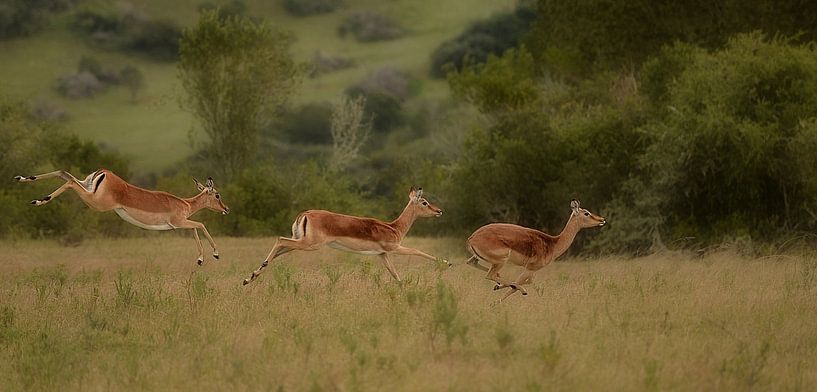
[419, 193]
[574, 205]
[198, 184]
[412, 193]
[210, 183]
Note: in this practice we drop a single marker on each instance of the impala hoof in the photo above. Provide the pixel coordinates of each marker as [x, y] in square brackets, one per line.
[215, 256]
[513, 286]
[200, 261]
[245, 282]
[524, 293]
[25, 178]
[497, 287]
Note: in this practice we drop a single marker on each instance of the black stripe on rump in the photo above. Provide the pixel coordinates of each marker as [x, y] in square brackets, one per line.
[304, 235]
[98, 182]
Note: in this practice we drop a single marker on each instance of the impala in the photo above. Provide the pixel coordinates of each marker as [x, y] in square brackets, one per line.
[103, 190]
[315, 228]
[498, 243]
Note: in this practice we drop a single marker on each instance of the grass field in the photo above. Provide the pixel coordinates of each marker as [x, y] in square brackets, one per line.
[153, 131]
[138, 314]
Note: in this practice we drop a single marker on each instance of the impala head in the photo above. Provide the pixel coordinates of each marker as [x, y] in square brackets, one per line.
[424, 208]
[213, 198]
[584, 217]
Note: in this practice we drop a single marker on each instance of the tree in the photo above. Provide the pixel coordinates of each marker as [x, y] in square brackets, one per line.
[349, 131]
[235, 72]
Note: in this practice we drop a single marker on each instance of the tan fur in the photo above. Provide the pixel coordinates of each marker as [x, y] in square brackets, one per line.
[314, 229]
[500, 243]
[153, 210]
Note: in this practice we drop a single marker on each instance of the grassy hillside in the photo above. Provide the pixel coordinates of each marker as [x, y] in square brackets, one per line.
[138, 314]
[154, 132]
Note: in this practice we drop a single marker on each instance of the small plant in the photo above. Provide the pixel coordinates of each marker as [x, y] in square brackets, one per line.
[282, 276]
[503, 335]
[446, 318]
[549, 353]
[125, 289]
[334, 274]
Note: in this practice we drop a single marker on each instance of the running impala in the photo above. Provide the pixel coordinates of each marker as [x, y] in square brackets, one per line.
[315, 228]
[103, 190]
[498, 243]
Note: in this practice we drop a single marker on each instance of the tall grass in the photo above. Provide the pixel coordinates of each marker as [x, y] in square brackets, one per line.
[139, 314]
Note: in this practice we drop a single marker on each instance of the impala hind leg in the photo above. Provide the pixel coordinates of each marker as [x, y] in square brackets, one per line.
[474, 262]
[282, 246]
[70, 183]
[389, 266]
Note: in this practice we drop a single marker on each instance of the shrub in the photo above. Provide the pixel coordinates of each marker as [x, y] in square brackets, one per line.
[310, 7]
[385, 91]
[81, 85]
[309, 124]
[369, 26]
[23, 17]
[159, 39]
[494, 36]
[323, 63]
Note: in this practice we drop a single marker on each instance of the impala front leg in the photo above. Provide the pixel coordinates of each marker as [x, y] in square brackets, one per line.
[283, 245]
[402, 250]
[189, 224]
[200, 260]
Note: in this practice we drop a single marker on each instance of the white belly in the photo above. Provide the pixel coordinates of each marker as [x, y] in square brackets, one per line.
[339, 246]
[127, 218]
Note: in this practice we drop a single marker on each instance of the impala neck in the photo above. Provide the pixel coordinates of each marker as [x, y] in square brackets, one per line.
[405, 220]
[566, 237]
[196, 203]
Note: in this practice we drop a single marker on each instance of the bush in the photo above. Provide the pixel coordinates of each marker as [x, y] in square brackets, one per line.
[385, 91]
[159, 39]
[24, 17]
[310, 7]
[494, 36]
[323, 63]
[309, 124]
[81, 85]
[369, 26]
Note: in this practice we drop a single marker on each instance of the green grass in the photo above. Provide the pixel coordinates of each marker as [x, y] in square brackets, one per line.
[138, 314]
[153, 131]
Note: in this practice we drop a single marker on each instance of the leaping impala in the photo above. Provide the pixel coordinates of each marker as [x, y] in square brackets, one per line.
[498, 243]
[103, 190]
[315, 228]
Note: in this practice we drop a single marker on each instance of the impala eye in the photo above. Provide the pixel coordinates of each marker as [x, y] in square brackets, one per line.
[425, 203]
[586, 214]
[218, 196]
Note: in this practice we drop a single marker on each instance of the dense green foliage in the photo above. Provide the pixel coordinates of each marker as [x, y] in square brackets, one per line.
[579, 37]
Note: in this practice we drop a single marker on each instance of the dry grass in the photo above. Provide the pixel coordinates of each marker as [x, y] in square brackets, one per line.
[138, 314]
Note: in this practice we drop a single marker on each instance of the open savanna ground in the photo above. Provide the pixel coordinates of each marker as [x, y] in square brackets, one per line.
[139, 314]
